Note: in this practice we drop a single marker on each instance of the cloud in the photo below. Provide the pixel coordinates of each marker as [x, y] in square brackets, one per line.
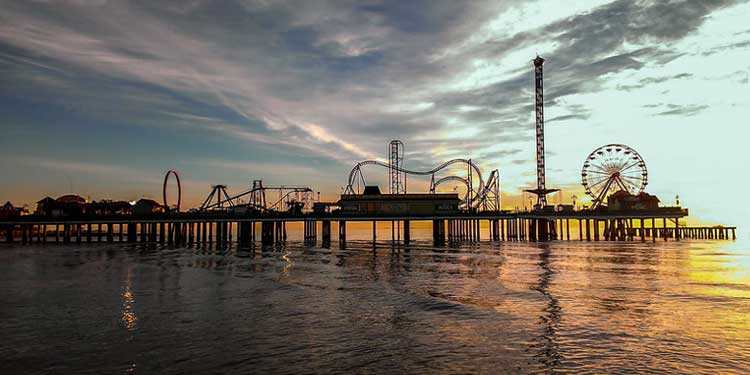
[643, 82]
[682, 110]
[322, 72]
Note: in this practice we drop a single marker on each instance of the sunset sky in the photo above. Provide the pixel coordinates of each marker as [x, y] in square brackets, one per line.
[101, 97]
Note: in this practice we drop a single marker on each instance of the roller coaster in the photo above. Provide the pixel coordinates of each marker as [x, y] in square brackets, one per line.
[288, 199]
[486, 196]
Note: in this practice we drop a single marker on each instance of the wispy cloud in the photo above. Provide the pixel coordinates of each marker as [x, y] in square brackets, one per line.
[682, 110]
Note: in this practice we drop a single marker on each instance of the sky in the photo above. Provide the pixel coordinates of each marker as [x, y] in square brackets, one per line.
[101, 98]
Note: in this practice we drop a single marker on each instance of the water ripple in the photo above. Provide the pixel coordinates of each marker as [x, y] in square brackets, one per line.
[561, 307]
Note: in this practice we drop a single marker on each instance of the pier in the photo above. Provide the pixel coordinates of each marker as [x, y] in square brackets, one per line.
[614, 176]
[194, 228]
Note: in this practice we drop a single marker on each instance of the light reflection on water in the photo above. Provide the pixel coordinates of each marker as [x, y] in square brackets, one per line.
[675, 307]
[129, 318]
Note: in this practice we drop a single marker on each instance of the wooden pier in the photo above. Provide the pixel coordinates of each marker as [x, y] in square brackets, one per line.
[463, 227]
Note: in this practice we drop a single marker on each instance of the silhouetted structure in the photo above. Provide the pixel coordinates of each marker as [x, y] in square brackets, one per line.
[613, 168]
[485, 196]
[372, 190]
[145, 206]
[631, 213]
[9, 210]
[323, 207]
[172, 172]
[541, 190]
[396, 177]
[107, 207]
[623, 200]
[69, 205]
[44, 206]
[218, 199]
[372, 202]
[254, 200]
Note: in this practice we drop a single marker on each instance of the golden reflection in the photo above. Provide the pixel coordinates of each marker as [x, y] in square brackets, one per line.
[287, 263]
[129, 318]
[719, 270]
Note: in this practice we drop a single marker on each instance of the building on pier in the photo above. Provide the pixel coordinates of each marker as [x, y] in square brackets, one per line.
[623, 201]
[402, 204]
[324, 207]
[106, 207]
[44, 207]
[145, 206]
[9, 210]
[69, 205]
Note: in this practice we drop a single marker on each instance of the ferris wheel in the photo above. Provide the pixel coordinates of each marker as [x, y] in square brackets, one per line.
[612, 168]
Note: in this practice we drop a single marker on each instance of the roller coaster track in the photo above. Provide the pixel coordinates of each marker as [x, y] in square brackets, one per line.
[257, 199]
[482, 192]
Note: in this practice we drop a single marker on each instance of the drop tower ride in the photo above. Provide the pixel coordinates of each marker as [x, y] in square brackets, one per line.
[541, 190]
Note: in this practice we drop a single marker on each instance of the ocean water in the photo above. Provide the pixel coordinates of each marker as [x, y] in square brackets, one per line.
[507, 307]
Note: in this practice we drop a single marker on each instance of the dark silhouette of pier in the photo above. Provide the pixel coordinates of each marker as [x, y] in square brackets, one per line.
[189, 228]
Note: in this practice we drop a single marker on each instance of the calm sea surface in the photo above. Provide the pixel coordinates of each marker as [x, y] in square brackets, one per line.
[560, 307]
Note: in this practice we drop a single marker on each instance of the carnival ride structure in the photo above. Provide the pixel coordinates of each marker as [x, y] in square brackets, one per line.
[485, 196]
[611, 168]
[259, 198]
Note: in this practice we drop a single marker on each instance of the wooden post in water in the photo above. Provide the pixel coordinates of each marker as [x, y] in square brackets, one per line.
[326, 230]
[131, 232]
[66, 233]
[643, 229]
[610, 228]
[342, 231]
[596, 229]
[588, 230]
[532, 226]
[407, 230]
[9, 233]
[110, 235]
